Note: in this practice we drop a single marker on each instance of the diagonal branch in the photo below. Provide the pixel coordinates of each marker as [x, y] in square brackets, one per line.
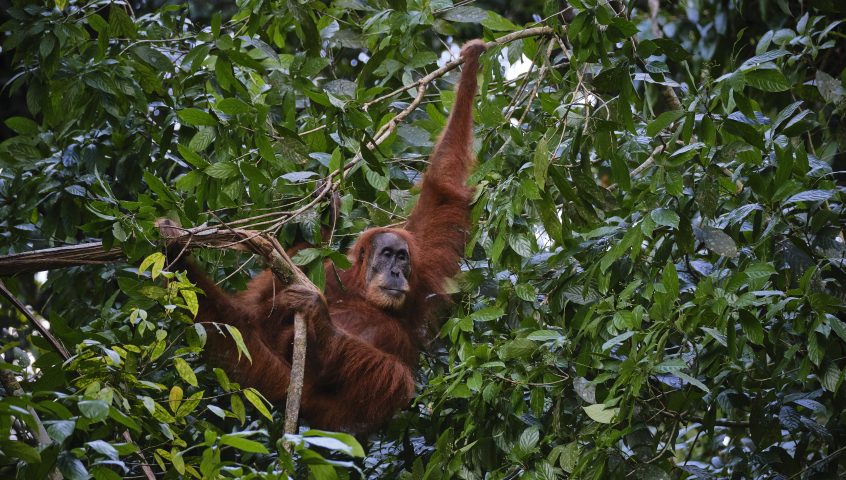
[56, 344]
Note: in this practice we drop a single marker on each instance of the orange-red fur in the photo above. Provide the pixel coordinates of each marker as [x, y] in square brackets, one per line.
[360, 357]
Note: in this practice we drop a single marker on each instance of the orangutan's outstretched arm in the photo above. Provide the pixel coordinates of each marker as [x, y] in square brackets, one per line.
[439, 221]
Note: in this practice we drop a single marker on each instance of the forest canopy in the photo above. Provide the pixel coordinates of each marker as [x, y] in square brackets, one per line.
[654, 285]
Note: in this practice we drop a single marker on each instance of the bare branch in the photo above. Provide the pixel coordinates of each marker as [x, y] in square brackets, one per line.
[57, 345]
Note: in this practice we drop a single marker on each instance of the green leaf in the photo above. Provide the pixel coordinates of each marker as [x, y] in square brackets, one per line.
[59, 430]
[745, 131]
[542, 159]
[103, 448]
[414, 135]
[752, 328]
[22, 125]
[257, 400]
[70, 467]
[520, 244]
[155, 260]
[719, 242]
[191, 301]
[189, 404]
[232, 106]
[838, 326]
[764, 58]
[243, 444]
[526, 292]
[672, 49]
[237, 406]
[810, 196]
[185, 371]
[379, 182]
[529, 439]
[830, 88]
[519, 348]
[767, 80]
[569, 456]
[153, 57]
[94, 409]
[177, 461]
[202, 139]
[663, 121]
[832, 378]
[19, 450]
[265, 148]
[466, 14]
[690, 379]
[196, 117]
[585, 389]
[175, 398]
[670, 280]
[498, 23]
[348, 443]
[759, 271]
[617, 340]
[544, 335]
[98, 23]
[306, 256]
[239, 342]
[601, 413]
[222, 170]
[487, 314]
[708, 196]
[665, 217]
[191, 157]
[816, 350]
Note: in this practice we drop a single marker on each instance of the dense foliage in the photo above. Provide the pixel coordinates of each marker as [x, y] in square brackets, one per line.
[654, 285]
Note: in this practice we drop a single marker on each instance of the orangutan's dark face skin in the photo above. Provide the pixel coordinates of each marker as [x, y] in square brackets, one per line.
[388, 270]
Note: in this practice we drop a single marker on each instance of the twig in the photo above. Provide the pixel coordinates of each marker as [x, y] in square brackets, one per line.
[57, 345]
[643, 166]
[295, 388]
[538, 82]
[717, 422]
[822, 460]
[145, 467]
[289, 274]
[318, 196]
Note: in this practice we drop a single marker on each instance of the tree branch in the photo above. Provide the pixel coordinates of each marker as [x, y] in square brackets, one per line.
[93, 253]
[54, 342]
